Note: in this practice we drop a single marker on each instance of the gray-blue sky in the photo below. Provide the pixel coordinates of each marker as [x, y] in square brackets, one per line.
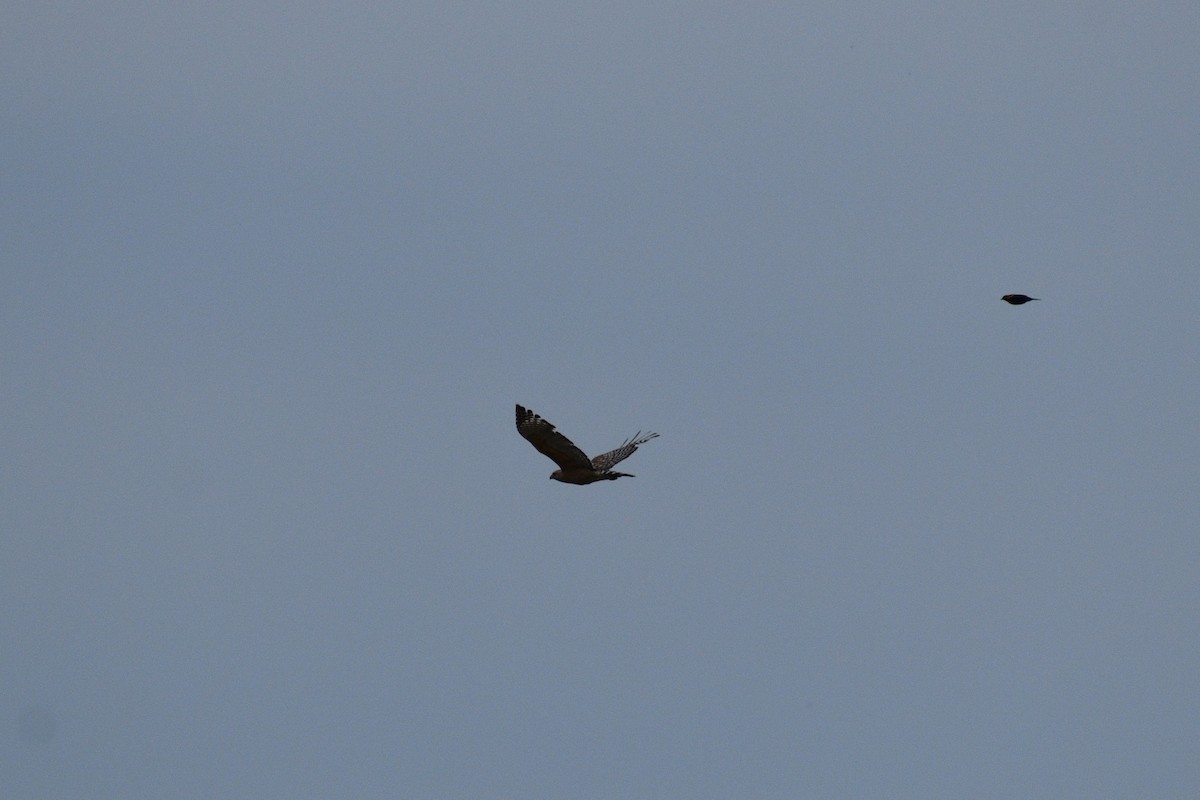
[274, 277]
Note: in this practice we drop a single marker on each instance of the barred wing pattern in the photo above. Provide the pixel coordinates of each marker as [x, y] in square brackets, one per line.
[603, 463]
[573, 464]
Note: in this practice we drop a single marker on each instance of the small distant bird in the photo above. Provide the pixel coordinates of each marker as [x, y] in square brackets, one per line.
[573, 465]
[1017, 299]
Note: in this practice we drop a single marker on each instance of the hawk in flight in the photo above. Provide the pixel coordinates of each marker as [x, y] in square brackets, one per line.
[573, 465]
[1017, 299]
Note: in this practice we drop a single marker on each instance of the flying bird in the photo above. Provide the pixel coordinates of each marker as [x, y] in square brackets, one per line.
[1017, 299]
[573, 465]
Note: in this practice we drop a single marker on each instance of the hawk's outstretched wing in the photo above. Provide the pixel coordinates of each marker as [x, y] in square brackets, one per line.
[607, 461]
[552, 444]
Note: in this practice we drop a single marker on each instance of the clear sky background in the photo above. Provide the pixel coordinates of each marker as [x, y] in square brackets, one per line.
[272, 276]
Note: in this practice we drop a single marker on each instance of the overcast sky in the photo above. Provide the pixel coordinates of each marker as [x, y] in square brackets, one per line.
[273, 275]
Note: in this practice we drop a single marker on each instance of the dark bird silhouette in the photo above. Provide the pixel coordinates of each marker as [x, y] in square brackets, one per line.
[573, 465]
[1017, 299]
